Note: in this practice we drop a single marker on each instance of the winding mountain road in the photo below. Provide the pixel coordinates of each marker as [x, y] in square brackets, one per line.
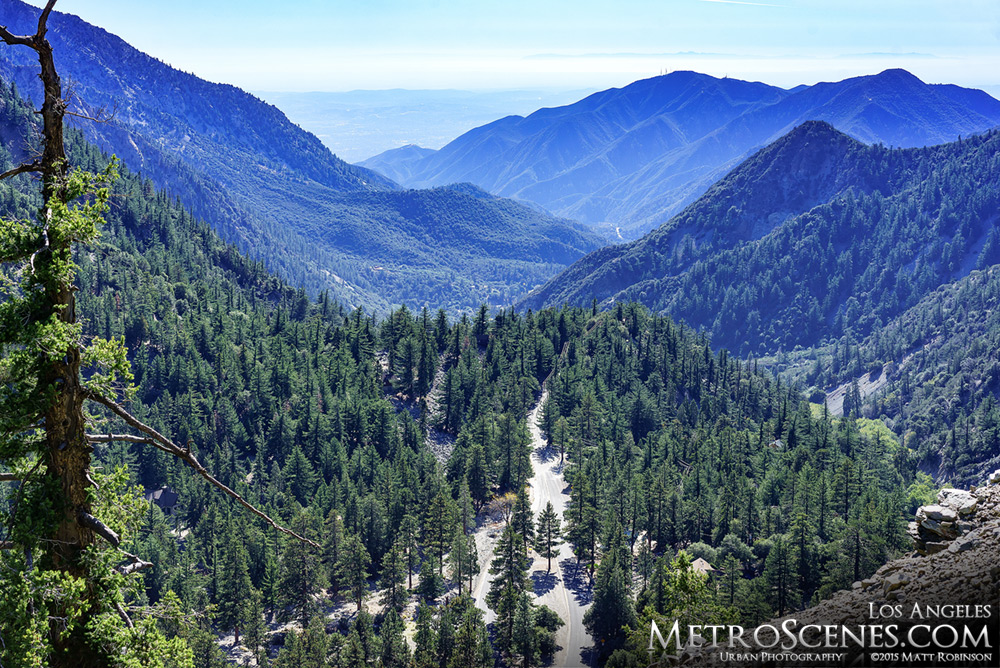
[566, 589]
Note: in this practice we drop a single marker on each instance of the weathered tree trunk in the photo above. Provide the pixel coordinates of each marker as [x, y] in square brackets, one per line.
[68, 452]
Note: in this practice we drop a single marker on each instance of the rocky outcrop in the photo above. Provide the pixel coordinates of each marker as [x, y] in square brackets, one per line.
[937, 525]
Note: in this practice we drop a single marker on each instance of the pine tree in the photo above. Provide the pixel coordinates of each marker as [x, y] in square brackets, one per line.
[510, 566]
[779, 576]
[464, 558]
[395, 652]
[302, 575]
[353, 569]
[430, 584]
[252, 621]
[612, 609]
[472, 647]
[306, 649]
[521, 518]
[477, 475]
[547, 540]
[438, 528]
[333, 545]
[393, 580]
[525, 639]
[446, 636]
[425, 639]
[409, 543]
[235, 588]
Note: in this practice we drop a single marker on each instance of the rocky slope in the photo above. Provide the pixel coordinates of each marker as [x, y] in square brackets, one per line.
[952, 579]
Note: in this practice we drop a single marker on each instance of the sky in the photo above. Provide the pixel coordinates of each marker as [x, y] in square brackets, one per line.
[340, 45]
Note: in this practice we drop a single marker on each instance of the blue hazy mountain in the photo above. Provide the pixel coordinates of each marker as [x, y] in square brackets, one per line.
[279, 193]
[634, 156]
[814, 236]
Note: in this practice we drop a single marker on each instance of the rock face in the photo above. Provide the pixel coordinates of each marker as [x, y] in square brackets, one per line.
[951, 579]
[945, 521]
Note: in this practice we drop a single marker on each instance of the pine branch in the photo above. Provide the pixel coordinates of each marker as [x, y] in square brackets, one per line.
[163, 443]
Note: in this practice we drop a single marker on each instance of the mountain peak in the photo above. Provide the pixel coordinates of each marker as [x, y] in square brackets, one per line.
[898, 74]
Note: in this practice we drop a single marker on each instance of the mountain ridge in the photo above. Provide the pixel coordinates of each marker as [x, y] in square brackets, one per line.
[763, 263]
[682, 157]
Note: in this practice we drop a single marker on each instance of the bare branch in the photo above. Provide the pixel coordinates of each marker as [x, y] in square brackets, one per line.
[98, 119]
[110, 438]
[44, 17]
[128, 438]
[185, 454]
[16, 40]
[98, 527]
[124, 615]
[21, 169]
[134, 567]
[9, 477]
[7, 545]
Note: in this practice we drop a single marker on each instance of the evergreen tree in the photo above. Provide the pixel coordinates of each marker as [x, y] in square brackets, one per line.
[235, 588]
[425, 639]
[301, 572]
[464, 557]
[472, 648]
[393, 580]
[306, 649]
[438, 528]
[395, 652]
[353, 569]
[521, 518]
[477, 476]
[509, 566]
[547, 540]
[613, 608]
[333, 545]
[409, 544]
[525, 643]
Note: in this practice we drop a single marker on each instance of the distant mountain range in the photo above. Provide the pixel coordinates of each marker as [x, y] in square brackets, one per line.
[630, 158]
[280, 194]
[815, 236]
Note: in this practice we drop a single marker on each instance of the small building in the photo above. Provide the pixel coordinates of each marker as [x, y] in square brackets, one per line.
[165, 497]
[699, 565]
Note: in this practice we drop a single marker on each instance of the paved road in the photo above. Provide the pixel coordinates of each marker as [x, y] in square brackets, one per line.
[566, 589]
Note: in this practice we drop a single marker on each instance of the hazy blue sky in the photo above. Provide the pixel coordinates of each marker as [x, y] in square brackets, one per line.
[475, 44]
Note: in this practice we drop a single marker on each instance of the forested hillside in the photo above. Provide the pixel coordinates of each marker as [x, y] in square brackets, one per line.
[273, 189]
[815, 236]
[293, 402]
[932, 374]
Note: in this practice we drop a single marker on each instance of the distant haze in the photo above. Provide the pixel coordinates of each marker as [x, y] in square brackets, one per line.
[360, 124]
[311, 45]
